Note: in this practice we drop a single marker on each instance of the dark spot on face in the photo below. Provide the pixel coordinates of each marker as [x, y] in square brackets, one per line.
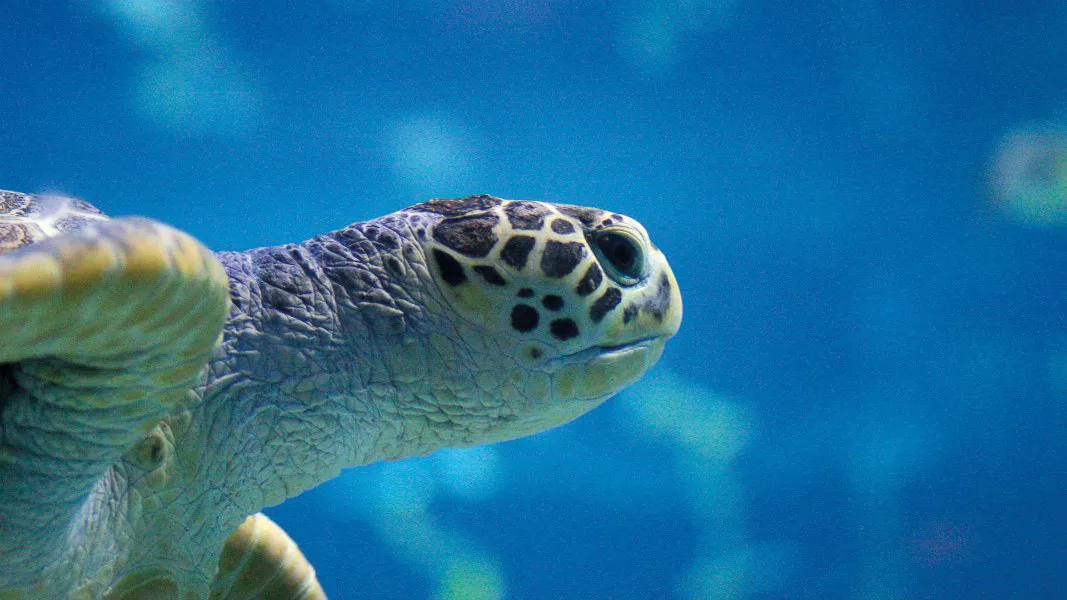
[535, 353]
[662, 301]
[526, 216]
[562, 227]
[471, 235]
[371, 233]
[451, 270]
[656, 305]
[421, 233]
[526, 293]
[454, 207]
[552, 302]
[489, 274]
[517, 250]
[590, 281]
[563, 329]
[524, 318]
[560, 258]
[617, 216]
[605, 304]
[587, 216]
[607, 223]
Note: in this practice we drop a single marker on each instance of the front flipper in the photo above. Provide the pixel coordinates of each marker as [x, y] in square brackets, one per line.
[260, 562]
[102, 330]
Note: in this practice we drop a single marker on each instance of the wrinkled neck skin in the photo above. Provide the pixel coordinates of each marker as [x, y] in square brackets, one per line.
[338, 352]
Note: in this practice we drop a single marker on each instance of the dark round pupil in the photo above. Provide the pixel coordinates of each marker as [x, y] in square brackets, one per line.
[619, 251]
[623, 256]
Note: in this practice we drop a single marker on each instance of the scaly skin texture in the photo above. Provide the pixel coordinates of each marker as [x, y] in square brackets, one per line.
[450, 324]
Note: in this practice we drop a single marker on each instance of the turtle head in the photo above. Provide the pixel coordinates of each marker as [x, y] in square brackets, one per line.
[573, 304]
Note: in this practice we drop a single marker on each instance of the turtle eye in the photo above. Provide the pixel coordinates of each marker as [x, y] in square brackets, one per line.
[621, 254]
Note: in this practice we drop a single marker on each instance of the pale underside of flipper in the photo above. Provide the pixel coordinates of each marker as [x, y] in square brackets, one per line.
[261, 562]
[105, 327]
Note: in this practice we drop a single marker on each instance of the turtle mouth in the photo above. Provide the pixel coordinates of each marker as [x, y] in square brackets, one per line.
[606, 350]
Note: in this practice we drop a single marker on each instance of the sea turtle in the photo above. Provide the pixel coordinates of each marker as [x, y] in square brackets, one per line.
[154, 394]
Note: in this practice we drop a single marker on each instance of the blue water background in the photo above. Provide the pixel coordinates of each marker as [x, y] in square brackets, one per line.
[868, 397]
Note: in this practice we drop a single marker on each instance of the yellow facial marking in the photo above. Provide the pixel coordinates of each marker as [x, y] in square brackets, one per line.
[473, 300]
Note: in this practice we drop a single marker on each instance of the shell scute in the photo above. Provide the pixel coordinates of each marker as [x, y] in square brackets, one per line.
[30, 218]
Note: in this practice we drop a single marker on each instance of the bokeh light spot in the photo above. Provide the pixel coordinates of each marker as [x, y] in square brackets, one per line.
[1029, 176]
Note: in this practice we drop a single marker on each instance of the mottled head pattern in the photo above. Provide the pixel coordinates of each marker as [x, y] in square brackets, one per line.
[579, 294]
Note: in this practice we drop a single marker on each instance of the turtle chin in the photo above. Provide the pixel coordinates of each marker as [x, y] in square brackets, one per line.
[611, 368]
[576, 383]
[591, 376]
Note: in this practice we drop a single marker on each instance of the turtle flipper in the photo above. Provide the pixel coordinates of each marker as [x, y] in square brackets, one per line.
[260, 562]
[101, 331]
